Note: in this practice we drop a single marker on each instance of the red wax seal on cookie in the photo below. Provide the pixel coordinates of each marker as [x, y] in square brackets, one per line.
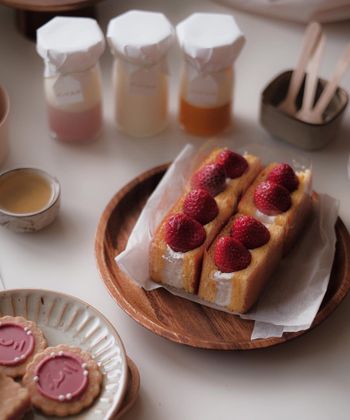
[61, 376]
[16, 343]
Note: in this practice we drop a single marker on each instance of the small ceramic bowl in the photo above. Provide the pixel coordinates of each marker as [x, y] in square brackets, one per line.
[35, 220]
[292, 130]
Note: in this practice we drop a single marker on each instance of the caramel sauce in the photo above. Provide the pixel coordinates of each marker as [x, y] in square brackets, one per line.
[24, 192]
[204, 121]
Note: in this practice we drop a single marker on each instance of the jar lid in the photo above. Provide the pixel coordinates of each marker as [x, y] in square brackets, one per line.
[141, 37]
[69, 44]
[210, 41]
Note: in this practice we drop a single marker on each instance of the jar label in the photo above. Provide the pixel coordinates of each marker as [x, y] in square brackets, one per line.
[143, 82]
[68, 90]
[203, 90]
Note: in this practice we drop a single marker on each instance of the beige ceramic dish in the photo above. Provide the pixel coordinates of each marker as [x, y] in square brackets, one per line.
[291, 130]
[68, 320]
[31, 222]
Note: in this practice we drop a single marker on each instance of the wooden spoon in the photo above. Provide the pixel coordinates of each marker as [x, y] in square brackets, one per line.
[331, 87]
[305, 112]
[312, 35]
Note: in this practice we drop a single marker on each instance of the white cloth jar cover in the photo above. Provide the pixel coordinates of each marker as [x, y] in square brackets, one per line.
[69, 45]
[211, 43]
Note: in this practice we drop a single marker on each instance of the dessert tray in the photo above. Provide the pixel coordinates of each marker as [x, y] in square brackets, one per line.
[66, 319]
[178, 319]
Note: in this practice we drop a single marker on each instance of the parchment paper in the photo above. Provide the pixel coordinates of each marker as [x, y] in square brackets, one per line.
[294, 294]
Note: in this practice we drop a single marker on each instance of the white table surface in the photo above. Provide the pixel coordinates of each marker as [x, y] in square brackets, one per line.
[308, 378]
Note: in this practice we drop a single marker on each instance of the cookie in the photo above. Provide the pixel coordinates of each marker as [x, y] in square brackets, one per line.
[20, 341]
[14, 399]
[63, 380]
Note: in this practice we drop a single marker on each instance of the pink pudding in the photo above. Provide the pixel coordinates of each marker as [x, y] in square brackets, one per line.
[71, 126]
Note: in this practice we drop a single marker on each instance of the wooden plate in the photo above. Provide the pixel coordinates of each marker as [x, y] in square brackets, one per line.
[48, 5]
[178, 319]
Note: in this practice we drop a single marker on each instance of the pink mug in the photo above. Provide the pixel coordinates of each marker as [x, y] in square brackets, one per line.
[4, 124]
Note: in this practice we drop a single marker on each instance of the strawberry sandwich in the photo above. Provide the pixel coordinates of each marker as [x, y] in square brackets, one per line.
[239, 263]
[246, 252]
[281, 197]
[210, 198]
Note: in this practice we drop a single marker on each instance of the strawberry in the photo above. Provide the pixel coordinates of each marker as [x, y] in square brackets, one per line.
[211, 178]
[201, 206]
[182, 233]
[284, 175]
[250, 232]
[235, 165]
[230, 255]
[271, 198]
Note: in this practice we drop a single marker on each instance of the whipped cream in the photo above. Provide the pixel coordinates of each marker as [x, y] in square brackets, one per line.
[223, 287]
[264, 218]
[173, 267]
[307, 180]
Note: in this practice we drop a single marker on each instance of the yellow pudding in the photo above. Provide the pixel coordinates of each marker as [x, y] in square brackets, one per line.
[24, 191]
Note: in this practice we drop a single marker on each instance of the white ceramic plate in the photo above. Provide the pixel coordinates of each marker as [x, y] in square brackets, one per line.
[65, 319]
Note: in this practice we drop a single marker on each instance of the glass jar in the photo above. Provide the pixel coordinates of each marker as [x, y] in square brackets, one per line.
[210, 44]
[71, 48]
[140, 42]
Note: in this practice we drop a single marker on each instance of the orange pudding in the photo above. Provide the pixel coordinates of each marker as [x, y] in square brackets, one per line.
[202, 121]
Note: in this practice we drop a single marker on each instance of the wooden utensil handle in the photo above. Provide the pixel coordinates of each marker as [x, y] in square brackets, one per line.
[332, 85]
[312, 77]
[312, 34]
